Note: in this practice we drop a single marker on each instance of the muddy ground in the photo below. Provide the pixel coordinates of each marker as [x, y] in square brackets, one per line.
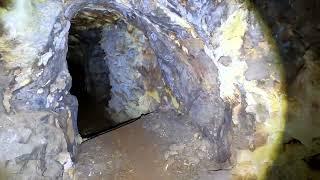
[159, 146]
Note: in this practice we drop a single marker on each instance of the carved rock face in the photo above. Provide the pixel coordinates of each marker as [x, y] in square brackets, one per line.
[211, 61]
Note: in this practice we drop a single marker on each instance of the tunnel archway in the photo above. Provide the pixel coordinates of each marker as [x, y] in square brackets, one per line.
[110, 63]
[90, 75]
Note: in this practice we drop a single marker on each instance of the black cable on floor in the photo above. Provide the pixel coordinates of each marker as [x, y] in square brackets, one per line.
[104, 131]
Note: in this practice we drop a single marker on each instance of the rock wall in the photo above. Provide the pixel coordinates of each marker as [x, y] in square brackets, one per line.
[34, 92]
[135, 77]
[217, 61]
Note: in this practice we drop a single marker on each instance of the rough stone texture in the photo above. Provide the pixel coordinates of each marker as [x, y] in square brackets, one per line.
[35, 98]
[34, 145]
[135, 76]
[297, 37]
[188, 38]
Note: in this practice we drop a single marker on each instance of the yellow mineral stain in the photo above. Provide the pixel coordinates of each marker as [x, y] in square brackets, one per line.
[154, 94]
[233, 31]
[258, 161]
[174, 100]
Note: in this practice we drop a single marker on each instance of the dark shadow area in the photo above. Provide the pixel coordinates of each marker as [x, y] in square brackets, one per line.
[104, 55]
[90, 81]
[5, 3]
[295, 26]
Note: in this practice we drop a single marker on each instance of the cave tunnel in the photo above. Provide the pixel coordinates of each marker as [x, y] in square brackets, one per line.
[112, 67]
[219, 89]
[104, 58]
[90, 80]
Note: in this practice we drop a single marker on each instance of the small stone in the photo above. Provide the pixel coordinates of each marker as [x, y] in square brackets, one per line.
[40, 91]
[184, 49]
[45, 58]
[39, 73]
[225, 60]
[130, 28]
[196, 136]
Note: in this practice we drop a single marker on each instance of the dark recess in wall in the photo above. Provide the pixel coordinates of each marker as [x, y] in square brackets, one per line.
[90, 83]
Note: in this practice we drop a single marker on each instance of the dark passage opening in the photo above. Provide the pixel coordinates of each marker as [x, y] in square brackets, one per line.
[89, 71]
[114, 70]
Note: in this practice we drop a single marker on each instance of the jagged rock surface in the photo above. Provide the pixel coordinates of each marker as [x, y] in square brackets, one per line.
[217, 64]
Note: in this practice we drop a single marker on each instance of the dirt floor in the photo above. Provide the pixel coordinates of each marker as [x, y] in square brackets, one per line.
[152, 148]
